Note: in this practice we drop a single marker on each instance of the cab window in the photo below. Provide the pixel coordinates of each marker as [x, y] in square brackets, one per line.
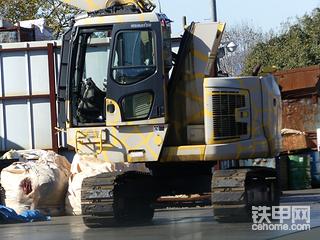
[133, 57]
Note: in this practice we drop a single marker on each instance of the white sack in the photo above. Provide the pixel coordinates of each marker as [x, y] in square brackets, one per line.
[37, 184]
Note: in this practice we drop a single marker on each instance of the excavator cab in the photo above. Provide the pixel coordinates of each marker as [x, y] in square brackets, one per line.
[116, 72]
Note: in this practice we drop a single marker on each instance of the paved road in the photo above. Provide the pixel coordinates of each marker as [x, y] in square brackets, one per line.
[195, 224]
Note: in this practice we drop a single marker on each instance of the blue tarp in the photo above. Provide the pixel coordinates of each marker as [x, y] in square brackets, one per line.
[8, 215]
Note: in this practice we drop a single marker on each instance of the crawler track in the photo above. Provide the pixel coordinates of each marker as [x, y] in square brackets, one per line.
[235, 191]
[97, 199]
[115, 199]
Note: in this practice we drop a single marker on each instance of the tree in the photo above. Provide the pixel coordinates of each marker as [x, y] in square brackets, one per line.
[17, 10]
[246, 37]
[297, 45]
[56, 13]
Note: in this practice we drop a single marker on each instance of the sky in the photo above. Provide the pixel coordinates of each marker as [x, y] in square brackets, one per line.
[264, 14]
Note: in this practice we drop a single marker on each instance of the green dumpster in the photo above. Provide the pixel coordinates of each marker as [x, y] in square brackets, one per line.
[299, 171]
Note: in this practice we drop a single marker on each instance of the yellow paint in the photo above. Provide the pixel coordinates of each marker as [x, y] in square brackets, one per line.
[191, 96]
[199, 75]
[142, 18]
[221, 27]
[90, 141]
[82, 135]
[113, 119]
[146, 137]
[196, 117]
[184, 153]
[267, 70]
[114, 19]
[120, 18]
[87, 5]
[245, 114]
[91, 5]
[200, 56]
[105, 156]
[158, 140]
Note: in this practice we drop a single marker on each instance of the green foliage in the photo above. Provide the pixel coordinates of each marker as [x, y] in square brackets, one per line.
[17, 10]
[297, 46]
[246, 37]
[57, 14]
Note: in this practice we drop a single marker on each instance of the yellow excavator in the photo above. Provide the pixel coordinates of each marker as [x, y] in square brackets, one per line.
[125, 97]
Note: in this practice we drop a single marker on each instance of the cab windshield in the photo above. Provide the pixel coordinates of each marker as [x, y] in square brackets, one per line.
[134, 56]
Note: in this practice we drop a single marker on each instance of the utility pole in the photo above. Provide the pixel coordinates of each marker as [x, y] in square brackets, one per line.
[214, 11]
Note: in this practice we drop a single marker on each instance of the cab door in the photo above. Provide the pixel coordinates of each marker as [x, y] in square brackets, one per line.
[135, 84]
[63, 75]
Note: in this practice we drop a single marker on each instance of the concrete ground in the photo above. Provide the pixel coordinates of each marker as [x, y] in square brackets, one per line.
[184, 224]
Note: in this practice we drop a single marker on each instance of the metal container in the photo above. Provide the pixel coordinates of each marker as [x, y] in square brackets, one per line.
[301, 114]
[299, 171]
[16, 34]
[27, 95]
[299, 82]
[300, 89]
[315, 169]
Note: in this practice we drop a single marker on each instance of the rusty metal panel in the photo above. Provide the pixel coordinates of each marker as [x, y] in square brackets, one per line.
[300, 108]
[304, 115]
[297, 142]
[301, 114]
[299, 82]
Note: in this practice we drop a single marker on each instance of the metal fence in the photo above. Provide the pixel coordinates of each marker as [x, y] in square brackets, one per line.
[28, 73]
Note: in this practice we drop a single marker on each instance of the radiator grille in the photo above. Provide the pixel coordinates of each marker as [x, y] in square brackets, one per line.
[224, 105]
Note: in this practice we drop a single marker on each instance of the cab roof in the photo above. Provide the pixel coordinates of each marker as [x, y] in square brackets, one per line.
[121, 18]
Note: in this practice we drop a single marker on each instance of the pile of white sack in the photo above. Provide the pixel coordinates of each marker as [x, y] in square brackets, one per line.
[39, 180]
[46, 181]
[84, 166]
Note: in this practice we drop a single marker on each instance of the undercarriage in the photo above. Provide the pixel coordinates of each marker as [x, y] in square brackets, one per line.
[131, 197]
